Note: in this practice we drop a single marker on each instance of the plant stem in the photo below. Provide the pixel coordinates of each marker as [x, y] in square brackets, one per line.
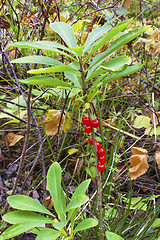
[98, 174]
[99, 184]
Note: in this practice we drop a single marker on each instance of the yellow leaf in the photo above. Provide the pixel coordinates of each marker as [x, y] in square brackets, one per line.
[72, 151]
[68, 121]
[142, 121]
[138, 162]
[157, 157]
[51, 123]
[87, 105]
[12, 138]
[78, 25]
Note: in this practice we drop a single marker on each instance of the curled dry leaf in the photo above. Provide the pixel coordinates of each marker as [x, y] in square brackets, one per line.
[157, 157]
[49, 202]
[52, 121]
[138, 161]
[12, 138]
[126, 4]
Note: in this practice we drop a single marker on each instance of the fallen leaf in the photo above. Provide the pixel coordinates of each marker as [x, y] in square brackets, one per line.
[126, 4]
[12, 138]
[72, 151]
[138, 151]
[157, 157]
[142, 121]
[155, 34]
[138, 161]
[157, 115]
[52, 121]
[49, 202]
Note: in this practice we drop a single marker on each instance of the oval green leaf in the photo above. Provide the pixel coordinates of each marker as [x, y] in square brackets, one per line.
[77, 201]
[24, 216]
[19, 228]
[54, 186]
[48, 234]
[113, 236]
[23, 202]
[86, 224]
[65, 31]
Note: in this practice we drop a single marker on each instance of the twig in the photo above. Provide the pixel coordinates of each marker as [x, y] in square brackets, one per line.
[13, 116]
[25, 145]
[98, 10]
[32, 114]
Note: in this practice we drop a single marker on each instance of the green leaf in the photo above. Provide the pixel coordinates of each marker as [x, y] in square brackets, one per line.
[113, 236]
[59, 225]
[59, 68]
[72, 76]
[81, 189]
[156, 223]
[48, 234]
[19, 228]
[46, 81]
[94, 35]
[45, 45]
[116, 64]
[77, 201]
[78, 50]
[86, 224]
[38, 60]
[114, 31]
[91, 171]
[152, 131]
[121, 41]
[23, 202]
[65, 31]
[24, 216]
[126, 72]
[142, 121]
[54, 186]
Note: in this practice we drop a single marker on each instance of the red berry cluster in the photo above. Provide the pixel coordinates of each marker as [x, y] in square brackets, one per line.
[100, 151]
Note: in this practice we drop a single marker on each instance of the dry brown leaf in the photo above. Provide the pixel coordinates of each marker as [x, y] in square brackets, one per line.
[157, 116]
[12, 138]
[138, 162]
[126, 4]
[53, 119]
[49, 202]
[157, 157]
[155, 34]
[138, 151]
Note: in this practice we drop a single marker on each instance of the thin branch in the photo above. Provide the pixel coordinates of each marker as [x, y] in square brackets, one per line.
[98, 10]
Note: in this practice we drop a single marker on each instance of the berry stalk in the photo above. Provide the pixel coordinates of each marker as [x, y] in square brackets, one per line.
[99, 183]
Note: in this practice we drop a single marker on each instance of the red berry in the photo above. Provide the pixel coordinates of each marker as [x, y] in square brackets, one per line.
[101, 167]
[86, 121]
[90, 140]
[88, 129]
[102, 159]
[98, 145]
[101, 152]
[95, 123]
